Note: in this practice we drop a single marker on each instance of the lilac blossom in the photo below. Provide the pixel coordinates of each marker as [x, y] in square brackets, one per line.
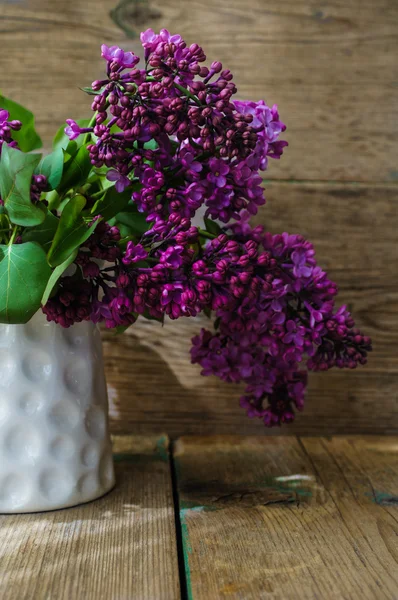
[134, 253]
[121, 181]
[218, 169]
[174, 128]
[114, 54]
[6, 129]
[4, 116]
[73, 130]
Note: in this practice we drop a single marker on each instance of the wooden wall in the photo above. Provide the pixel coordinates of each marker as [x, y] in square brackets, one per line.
[332, 68]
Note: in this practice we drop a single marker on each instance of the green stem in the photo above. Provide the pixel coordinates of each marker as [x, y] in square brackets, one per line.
[206, 234]
[187, 93]
[98, 194]
[87, 136]
[13, 236]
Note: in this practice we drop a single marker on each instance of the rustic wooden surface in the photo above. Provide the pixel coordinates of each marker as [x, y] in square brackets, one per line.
[122, 546]
[331, 67]
[214, 517]
[288, 518]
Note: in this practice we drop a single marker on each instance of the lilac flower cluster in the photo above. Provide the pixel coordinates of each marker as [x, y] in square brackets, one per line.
[279, 315]
[6, 129]
[172, 133]
[39, 182]
[175, 128]
[39, 185]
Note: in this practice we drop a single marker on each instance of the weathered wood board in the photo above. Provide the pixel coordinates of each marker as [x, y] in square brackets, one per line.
[258, 517]
[288, 518]
[122, 546]
[330, 66]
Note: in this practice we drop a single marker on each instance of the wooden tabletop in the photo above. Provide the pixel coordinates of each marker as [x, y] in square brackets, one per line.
[209, 518]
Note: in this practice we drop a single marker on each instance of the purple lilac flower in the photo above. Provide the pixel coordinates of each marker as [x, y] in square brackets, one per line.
[192, 166]
[72, 304]
[269, 127]
[6, 129]
[172, 257]
[150, 40]
[300, 268]
[117, 55]
[134, 253]
[4, 116]
[121, 182]
[254, 335]
[218, 170]
[38, 185]
[294, 333]
[174, 127]
[73, 130]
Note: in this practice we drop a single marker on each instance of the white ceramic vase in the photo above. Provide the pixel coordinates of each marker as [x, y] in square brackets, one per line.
[55, 448]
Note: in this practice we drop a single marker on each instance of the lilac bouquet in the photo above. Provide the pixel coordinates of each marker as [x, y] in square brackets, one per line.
[115, 201]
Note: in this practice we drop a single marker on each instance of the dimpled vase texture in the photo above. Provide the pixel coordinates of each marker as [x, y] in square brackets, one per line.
[55, 448]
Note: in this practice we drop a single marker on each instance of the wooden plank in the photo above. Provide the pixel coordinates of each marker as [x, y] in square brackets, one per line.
[353, 229]
[328, 68]
[331, 67]
[153, 385]
[288, 518]
[121, 546]
[64, 54]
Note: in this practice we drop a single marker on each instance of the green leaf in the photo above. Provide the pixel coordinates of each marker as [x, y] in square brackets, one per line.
[105, 183]
[72, 232]
[112, 203]
[76, 170]
[125, 232]
[89, 90]
[149, 317]
[27, 138]
[120, 329]
[133, 220]
[207, 312]
[16, 170]
[61, 140]
[52, 167]
[24, 273]
[44, 233]
[212, 226]
[151, 145]
[70, 150]
[56, 275]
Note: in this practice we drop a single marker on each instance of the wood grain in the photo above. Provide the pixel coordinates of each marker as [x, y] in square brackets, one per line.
[152, 384]
[288, 518]
[119, 547]
[331, 67]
